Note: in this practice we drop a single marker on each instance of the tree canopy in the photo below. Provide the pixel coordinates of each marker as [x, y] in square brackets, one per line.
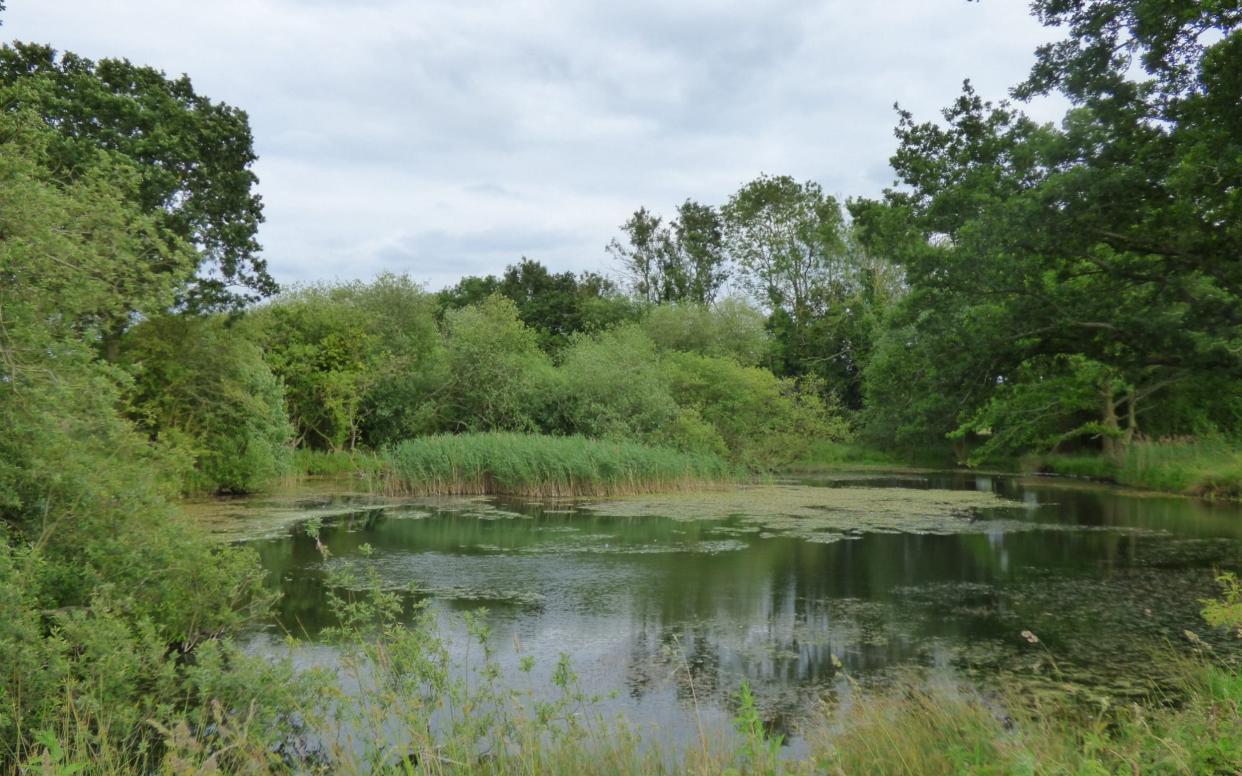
[193, 156]
[1102, 251]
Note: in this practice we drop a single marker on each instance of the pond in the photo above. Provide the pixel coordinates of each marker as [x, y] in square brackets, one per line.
[802, 587]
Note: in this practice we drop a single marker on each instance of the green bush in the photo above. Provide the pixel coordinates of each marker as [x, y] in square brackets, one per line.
[204, 390]
[497, 377]
[611, 386]
[358, 360]
[764, 421]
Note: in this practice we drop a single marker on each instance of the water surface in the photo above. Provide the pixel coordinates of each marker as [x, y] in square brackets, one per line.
[792, 587]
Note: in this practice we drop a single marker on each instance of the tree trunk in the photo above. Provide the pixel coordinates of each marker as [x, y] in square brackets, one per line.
[961, 452]
[112, 342]
[1112, 430]
[1131, 418]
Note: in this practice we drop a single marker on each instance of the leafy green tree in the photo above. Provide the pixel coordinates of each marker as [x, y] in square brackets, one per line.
[134, 264]
[681, 261]
[410, 366]
[1108, 240]
[497, 375]
[203, 389]
[786, 239]
[358, 360]
[699, 269]
[556, 305]
[326, 357]
[611, 385]
[643, 254]
[468, 291]
[104, 587]
[559, 305]
[764, 421]
[194, 156]
[730, 327]
[797, 256]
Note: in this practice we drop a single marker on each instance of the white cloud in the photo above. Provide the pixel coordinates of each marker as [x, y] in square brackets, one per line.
[448, 137]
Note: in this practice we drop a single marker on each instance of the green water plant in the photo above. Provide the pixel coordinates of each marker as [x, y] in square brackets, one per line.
[545, 466]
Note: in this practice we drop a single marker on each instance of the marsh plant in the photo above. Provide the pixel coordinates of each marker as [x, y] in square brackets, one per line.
[544, 466]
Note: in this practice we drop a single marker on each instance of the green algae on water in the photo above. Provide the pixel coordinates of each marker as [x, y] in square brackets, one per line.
[829, 514]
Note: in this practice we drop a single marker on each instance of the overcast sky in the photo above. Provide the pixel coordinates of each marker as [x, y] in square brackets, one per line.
[450, 138]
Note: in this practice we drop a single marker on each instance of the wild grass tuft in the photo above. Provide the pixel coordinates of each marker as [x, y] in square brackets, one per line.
[544, 466]
[916, 730]
[1199, 467]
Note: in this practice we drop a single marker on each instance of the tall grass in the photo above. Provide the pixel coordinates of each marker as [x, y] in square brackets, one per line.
[1210, 468]
[544, 466]
[338, 463]
[1198, 730]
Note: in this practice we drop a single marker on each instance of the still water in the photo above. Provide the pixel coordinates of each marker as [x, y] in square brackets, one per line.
[802, 588]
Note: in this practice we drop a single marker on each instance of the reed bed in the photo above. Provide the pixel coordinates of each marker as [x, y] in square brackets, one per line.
[544, 466]
[1209, 468]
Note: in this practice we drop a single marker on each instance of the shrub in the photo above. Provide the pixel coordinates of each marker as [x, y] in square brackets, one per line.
[358, 360]
[611, 385]
[202, 388]
[765, 421]
[497, 377]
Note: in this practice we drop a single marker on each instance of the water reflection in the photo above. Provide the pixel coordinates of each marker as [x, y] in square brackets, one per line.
[668, 612]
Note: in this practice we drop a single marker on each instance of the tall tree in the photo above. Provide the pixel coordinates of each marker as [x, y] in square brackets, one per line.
[1102, 251]
[679, 261]
[786, 239]
[698, 239]
[554, 304]
[195, 156]
[643, 254]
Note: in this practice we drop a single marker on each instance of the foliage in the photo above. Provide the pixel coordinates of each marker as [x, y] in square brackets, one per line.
[730, 328]
[103, 589]
[765, 421]
[315, 463]
[682, 261]
[1211, 468]
[194, 156]
[357, 360]
[556, 305]
[1046, 246]
[1049, 403]
[930, 732]
[612, 386]
[786, 238]
[758, 752]
[533, 465]
[497, 375]
[202, 388]
[844, 455]
[77, 254]
[1226, 611]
